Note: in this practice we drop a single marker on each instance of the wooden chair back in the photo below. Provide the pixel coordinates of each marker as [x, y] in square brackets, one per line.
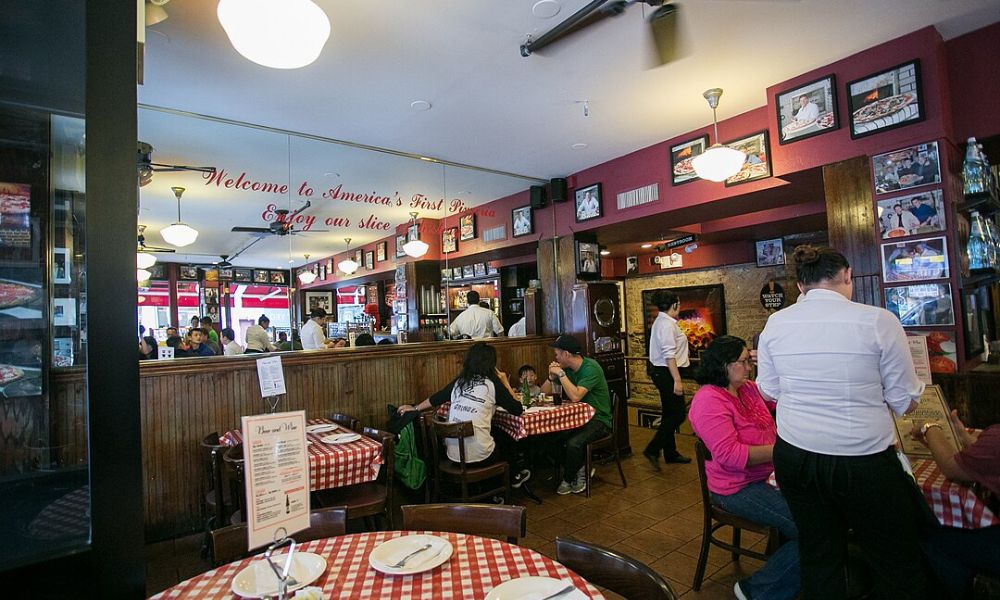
[473, 519]
[233, 459]
[230, 543]
[212, 451]
[610, 569]
[347, 421]
[324, 523]
[444, 430]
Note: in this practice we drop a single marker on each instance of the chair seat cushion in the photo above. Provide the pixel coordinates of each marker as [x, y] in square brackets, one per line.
[361, 500]
[454, 471]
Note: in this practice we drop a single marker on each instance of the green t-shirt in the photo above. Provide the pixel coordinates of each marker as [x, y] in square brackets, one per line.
[591, 376]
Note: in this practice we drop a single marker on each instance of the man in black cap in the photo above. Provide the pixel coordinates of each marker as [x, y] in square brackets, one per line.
[582, 380]
[313, 332]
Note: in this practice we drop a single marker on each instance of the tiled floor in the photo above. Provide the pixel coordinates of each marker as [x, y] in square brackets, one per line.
[656, 519]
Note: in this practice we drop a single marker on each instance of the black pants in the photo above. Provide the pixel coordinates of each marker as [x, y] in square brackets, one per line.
[673, 411]
[957, 554]
[870, 495]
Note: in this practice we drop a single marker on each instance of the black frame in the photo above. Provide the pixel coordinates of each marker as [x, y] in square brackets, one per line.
[278, 278]
[767, 156]
[399, 247]
[921, 112]
[756, 254]
[187, 272]
[262, 276]
[832, 85]
[513, 219]
[242, 275]
[469, 219]
[941, 284]
[381, 251]
[916, 150]
[673, 159]
[577, 198]
[412, 233]
[580, 273]
[454, 240]
[370, 260]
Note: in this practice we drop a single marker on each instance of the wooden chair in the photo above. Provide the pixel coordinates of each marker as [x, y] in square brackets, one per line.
[608, 444]
[218, 498]
[230, 543]
[374, 498]
[424, 429]
[460, 473]
[473, 519]
[233, 459]
[347, 421]
[715, 518]
[610, 569]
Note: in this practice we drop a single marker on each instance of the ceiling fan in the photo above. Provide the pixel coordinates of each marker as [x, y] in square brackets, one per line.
[147, 167]
[141, 243]
[281, 225]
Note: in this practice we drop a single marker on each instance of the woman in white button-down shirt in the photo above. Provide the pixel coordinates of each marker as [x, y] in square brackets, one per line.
[836, 368]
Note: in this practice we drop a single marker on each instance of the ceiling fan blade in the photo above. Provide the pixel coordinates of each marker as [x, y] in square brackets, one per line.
[156, 249]
[251, 230]
[160, 168]
[667, 33]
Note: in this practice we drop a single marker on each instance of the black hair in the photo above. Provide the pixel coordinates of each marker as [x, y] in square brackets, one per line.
[473, 297]
[899, 206]
[174, 341]
[384, 342]
[814, 264]
[663, 300]
[229, 333]
[282, 334]
[263, 319]
[524, 369]
[365, 339]
[200, 330]
[318, 312]
[723, 351]
[142, 330]
[480, 362]
[206, 320]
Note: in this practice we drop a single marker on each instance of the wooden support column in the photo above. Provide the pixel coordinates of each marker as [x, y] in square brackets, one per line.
[850, 217]
[557, 272]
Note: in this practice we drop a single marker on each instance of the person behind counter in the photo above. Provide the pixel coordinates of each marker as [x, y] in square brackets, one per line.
[257, 338]
[313, 336]
[229, 345]
[476, 321]
[295, 344]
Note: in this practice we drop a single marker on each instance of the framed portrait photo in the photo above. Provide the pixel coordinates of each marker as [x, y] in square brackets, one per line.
[632, 265]
[915, 260]
[400, 242]
[914, 214]
[479, 269]
[278, 277]
[770, 252]
[758, 162]
[928, 304]
[449, 240]
[381, 250]
[457, 273]
[242, 275]
[885, 100]
[329, 269]
[261, 276]
[807, 110]
[322, 300]
[588, 203]
[189, 273]
[412, 233]
[467, 223]
[62, 265]
[322, 273]
[681, 156]
[468, 272]
[588, 260]
[226, 274]
[370, 260]
[359, 257]
[522, 222]
[905, 168]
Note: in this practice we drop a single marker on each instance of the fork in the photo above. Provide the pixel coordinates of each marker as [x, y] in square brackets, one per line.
[569, 587]
[402, 563]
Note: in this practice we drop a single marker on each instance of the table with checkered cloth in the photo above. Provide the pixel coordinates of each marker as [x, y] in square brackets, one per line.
[476, 566]
[333, 465]
[539, 419]
[954, 504]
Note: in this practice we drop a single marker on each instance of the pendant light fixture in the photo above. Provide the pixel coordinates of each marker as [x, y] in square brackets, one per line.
[348, 266]
[719, 162]
[144, 260]
[415, 248]
[280, 34]
[179, 234]
[307, 276]
[142, 275]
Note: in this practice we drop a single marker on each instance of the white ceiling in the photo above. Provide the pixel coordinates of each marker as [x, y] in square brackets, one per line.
[490, 107]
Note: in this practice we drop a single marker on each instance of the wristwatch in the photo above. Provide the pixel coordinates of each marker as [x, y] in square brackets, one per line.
[926, 426]
[562, 374]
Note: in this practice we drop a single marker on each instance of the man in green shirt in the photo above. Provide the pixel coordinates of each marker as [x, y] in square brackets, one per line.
[582, 380]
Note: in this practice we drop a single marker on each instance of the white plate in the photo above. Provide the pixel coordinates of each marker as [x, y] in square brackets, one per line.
[526, 588]
[341, 438]
[395, 549]
[321, 428]
[306, 568]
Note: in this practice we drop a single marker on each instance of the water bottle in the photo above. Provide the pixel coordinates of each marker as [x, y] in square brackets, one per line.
[992, 241]
[977, 248]
[974, 175]
[525, 395]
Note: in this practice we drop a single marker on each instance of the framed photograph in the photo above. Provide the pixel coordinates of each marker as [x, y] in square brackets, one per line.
[322, 273]
[242, 275]
[400, 242]
[588, 203]
[702, 317]
[808, 110]
[915, 260]
[359, 257]
[923, 305]
[942, 350]
[523, 223]
[457, 273]
[188, 273]
[210, 295]
[62, 264]
[468, 272]
[885, 100]
[62, 352]
[479, 269]
[158, 271]
[770, 252]
[492, 269]
[906, 168]
[915, 214]
[467, 223]
[446, 274]
[370, 260]
[322, 300]
[64, 312]
[210, 274]
[261, 276]
[449, 240]
[381, 251]
[632, 265]
[226, 274]
[279, 278]
[588, 260]
[681, 156]
[329, 269]
[758, 163]
[412, 233]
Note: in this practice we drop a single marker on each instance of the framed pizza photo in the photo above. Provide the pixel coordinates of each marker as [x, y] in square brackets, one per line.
[449, 240]
[886, 100]
[807, 111]
[370, 260]
[467, 224]
[681, 157]
[381, 249]
[400, 242]
[758, 162]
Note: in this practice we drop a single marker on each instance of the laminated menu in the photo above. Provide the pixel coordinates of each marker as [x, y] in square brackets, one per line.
[933, 408]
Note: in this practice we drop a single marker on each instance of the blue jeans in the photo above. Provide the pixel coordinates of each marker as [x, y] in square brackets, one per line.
[779, 578]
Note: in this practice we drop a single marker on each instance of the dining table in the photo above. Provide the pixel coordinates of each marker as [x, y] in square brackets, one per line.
[954, 504]
[333, 465]
[540, 418]
[475, 567]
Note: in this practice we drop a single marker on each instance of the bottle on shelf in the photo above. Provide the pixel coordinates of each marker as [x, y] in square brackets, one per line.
[977, 248]
[974, 172]
[992, 242]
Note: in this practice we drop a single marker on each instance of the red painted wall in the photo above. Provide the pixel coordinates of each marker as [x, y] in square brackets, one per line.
[974, 76]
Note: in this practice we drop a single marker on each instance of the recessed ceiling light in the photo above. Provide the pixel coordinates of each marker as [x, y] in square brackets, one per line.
[646, 246]
[605, 252]
[546, 9]
[578, 146]
[420, 105]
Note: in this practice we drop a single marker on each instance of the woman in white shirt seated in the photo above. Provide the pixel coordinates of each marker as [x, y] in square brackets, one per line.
[474, 396]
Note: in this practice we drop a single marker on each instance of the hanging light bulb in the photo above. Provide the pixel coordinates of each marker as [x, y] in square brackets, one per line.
[280, 34]
[307, 277]
[179, 234]
[144, 260]
[415, 248]
[348, 266]
[719, 162]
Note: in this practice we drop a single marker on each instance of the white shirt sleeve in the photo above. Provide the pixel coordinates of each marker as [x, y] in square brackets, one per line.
[900, 384]
[497, 326]
[767, 378]
[669, 341]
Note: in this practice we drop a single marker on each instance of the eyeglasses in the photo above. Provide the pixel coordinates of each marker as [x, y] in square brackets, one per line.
[746, 362]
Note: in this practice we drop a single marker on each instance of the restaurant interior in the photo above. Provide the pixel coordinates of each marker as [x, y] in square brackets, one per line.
[366, 177]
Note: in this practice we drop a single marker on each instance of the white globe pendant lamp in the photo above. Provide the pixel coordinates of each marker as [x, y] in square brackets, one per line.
[348, 266]
[179, 233]
[144, 260]
[280, 34]
[307, 276]
[142, 275]
[415, 248]
[719, 162]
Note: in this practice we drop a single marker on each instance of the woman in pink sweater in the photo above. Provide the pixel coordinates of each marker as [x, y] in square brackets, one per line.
[733, 421]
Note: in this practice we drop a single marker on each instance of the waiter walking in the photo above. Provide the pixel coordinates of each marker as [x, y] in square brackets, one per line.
[668, 352]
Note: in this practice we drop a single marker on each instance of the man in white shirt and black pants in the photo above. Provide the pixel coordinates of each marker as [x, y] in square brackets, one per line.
[313, 332]
[668, 352]
[476, 321]
[836, 368]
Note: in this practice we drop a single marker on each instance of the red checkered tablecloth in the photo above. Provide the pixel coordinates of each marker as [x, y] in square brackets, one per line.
[476, 566]
[954, 504]
[538, 419]
[333, 465]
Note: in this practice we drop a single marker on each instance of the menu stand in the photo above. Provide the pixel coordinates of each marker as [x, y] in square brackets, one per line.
[282, 573]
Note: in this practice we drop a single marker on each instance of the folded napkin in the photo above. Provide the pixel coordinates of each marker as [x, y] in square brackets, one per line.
[552, 589]
[535, 409]
[418, 541]
[337, 437]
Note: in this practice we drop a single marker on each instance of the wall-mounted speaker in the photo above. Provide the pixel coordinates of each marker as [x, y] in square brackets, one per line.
[537, 196]
[558, 188]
